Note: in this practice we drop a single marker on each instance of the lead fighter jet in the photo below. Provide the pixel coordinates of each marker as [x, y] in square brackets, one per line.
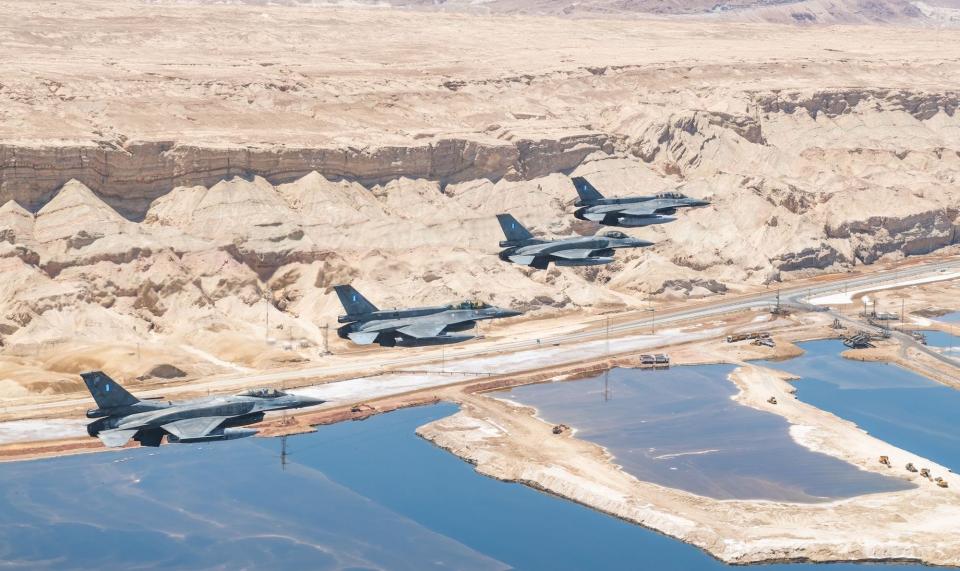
[365, 324]
[522, 248]
[122, 416]
[630, 212]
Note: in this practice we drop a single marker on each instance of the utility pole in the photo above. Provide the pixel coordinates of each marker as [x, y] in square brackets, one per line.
[266, 315]
[608, 336]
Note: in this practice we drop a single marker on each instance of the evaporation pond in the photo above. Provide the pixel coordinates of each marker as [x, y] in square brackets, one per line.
[680, 428]
[949, 342]
[354, 495]
[891, 403]
[953, 317]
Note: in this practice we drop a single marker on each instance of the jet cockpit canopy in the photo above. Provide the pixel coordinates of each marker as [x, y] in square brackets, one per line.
[262, 393]
[475, 304]
[671, 195]
[614, 234]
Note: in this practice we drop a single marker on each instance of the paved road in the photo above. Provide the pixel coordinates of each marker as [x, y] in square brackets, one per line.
[593, 328]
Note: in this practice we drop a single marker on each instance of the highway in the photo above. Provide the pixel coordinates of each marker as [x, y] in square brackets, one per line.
[345, 367]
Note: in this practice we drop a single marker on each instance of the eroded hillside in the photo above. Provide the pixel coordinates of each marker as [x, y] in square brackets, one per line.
[168, 211]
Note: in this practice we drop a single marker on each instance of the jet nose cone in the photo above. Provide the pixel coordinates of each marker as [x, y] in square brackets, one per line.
[700, 203]
[638, 243]
[508, 313]
[309, 401]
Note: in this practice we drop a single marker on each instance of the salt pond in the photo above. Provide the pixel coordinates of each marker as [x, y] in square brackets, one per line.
[680, 428]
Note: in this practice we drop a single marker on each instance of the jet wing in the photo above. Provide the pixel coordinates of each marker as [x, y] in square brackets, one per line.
[425, 329]
[116, 437]
[194, 427]
[572, 254]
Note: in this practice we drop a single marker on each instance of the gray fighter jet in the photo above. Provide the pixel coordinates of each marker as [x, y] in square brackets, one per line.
[121, 416]
[630, 212]
[522, 248]
[365, 324]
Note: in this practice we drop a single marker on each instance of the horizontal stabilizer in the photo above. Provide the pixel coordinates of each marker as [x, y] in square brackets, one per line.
[420, 330]
[191, 428]
[363, 337]
[572, 254]
[523, 260]
[115, 438]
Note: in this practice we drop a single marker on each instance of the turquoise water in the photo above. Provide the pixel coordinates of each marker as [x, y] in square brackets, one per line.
[891, 403]
[953, 317]
[950, 344]
[680, 428]
[948, 341]
[357, 495]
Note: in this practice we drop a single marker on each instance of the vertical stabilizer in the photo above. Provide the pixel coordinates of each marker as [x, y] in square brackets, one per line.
[353, 302]
[107, 392]
[586, 191]
[513, 230]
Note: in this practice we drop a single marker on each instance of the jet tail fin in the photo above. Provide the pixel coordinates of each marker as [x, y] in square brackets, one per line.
[513, 230]
[107, 392]
[585, 190]
[352, 301]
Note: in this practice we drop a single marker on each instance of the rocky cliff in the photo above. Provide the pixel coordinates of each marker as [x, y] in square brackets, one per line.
[170, 196]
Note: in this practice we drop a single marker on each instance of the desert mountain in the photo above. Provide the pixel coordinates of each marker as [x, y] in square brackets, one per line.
[173, 199]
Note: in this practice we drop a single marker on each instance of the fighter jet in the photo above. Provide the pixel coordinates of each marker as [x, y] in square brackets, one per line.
[365, 324]
[122, 416]
[630, 212]
[522, 248]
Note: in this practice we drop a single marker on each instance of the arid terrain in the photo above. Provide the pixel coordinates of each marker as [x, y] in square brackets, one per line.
[181, 184]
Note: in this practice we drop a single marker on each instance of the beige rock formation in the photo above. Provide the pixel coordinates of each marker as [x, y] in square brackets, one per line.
[196, 195]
